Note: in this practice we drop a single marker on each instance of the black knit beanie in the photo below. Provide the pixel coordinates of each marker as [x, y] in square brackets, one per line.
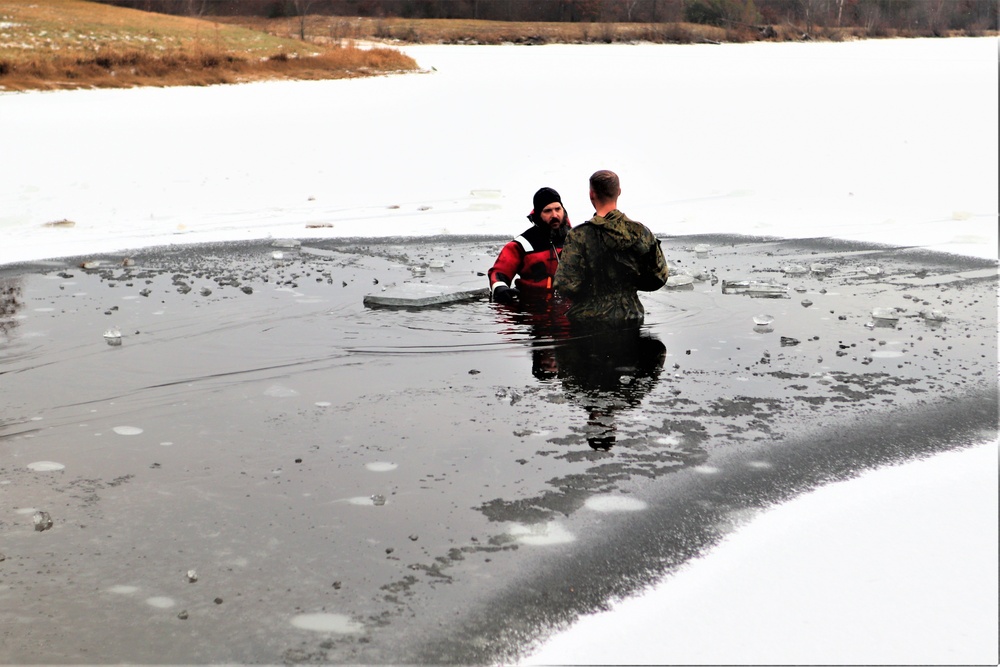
[543, 198]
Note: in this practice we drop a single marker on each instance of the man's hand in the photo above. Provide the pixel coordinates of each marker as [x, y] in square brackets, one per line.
[504, 294]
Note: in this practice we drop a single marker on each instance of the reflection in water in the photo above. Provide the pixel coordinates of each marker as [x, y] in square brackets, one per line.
[603, 370]
[607, 372]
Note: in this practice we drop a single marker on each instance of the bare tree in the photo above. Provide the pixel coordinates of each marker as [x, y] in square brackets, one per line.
[302, 8]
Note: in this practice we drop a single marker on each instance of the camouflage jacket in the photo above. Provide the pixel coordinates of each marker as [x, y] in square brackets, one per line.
[603, 263]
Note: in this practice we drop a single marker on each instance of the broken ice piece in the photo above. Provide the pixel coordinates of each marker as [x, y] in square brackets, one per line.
[885, 314]
[679, 280]
[42, 521]
[113, 336]
[933, 315]
[762, 320]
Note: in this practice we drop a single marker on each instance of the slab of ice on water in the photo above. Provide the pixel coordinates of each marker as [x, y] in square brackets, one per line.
[680, 280]
[763, 319]
[794, 269]
[422, 295]
[754, 288]
[933, 315]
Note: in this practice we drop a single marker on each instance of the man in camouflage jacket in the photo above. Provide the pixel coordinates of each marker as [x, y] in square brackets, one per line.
[607, 259]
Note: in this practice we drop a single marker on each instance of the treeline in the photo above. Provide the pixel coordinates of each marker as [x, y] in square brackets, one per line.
[919, 16]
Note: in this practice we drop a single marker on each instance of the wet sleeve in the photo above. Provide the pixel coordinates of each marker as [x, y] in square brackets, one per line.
[507, 266]
[654, 269]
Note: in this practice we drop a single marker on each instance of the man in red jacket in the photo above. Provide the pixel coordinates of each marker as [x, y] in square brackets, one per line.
[534, 255]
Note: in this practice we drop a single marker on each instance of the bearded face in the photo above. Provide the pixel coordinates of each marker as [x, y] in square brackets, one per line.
[553, 217]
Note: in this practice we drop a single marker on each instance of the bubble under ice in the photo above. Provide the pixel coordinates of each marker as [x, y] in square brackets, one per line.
[541, 534]
[613, 503]
[45, 466]
[326, 622]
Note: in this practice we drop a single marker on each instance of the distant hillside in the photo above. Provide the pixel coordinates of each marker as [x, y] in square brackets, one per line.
[867, 18]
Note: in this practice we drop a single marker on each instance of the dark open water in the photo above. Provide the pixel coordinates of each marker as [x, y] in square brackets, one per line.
[358, 485]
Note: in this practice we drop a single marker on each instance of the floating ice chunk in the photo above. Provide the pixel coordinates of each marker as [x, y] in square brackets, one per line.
[113, 336]
[754, 288]
[381, 466]
[192, 576]
[613, 503]
[873, 270]
[322, 404]
[378, 499]
[541, 534]
[820, 267]
[436, 264]
[277, 254]
[127, 430]
[43, 520]
[890, 314]
[933, 315]
[341, 624]
[794, 269]
[701, 249]
[45, 466]
[286, 243]
[763, 319]
[679, 280]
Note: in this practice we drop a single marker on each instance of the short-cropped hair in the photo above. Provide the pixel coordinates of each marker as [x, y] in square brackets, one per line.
[605, 185]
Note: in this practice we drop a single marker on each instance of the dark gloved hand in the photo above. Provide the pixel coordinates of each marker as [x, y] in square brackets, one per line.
[504, 294]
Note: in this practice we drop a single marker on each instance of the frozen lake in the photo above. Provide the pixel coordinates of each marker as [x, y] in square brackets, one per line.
[353, 485]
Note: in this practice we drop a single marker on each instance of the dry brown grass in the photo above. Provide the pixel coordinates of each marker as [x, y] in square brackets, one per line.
[327, 29]
[334, 29]
[78, 44]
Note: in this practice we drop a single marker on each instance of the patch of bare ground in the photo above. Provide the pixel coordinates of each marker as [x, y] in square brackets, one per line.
[60, 44]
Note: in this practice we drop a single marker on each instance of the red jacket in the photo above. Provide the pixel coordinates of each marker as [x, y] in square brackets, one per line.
[532, 256]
